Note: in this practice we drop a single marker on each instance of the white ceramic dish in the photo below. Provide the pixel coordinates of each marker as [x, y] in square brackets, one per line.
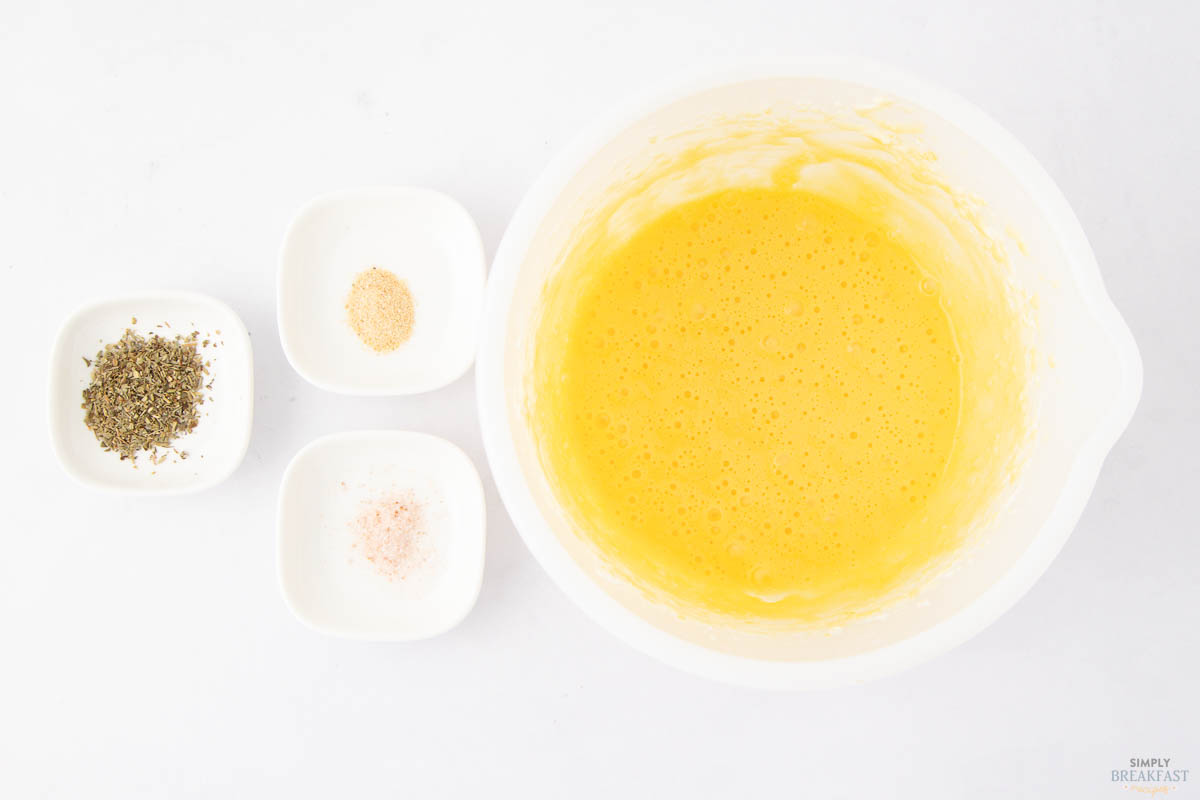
[219, 441]
[429, 241]
[1081, 406]
[326, 581]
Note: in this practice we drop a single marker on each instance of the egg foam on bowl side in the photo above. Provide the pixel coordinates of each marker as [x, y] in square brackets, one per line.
[779, 375]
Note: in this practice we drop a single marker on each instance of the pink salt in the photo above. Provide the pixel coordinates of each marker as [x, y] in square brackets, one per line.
[389, 532]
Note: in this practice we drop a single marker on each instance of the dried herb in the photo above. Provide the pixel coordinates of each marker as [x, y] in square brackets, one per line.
[145, 393]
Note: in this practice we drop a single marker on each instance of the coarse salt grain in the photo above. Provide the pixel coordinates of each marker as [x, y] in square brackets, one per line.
[390, 533]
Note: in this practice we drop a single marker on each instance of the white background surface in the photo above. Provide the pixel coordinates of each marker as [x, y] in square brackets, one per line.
[146, 649]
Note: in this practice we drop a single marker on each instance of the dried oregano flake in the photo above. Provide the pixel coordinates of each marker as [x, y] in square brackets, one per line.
[145, 393]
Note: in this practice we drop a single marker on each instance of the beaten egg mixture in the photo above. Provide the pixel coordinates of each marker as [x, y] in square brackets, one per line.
[753, 405]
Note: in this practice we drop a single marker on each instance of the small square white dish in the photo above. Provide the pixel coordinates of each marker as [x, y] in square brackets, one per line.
[326, 578]
[428, 241]
[214, 448]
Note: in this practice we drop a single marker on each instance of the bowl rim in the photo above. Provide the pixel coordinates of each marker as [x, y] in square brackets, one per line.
[727, 667]
[55, 387]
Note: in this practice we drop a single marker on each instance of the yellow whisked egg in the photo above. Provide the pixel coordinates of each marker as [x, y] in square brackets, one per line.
[757, 402]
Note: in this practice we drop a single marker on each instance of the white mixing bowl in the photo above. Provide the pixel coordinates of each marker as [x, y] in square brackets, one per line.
[1088, 387]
